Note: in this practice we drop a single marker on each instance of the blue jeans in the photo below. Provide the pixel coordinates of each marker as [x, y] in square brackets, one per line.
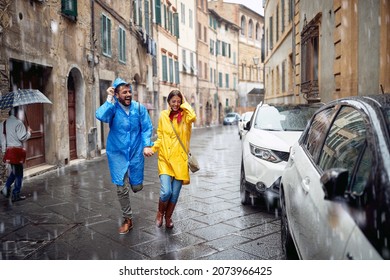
[16, 176]
[170, 188]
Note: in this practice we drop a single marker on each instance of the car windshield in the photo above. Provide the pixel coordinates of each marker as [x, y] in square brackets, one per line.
[230, 115]
[283, 117]
[247, 116]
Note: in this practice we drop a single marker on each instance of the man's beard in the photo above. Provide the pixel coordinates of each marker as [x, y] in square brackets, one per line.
[123, 102]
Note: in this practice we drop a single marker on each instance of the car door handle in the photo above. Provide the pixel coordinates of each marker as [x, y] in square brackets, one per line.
[306, 184]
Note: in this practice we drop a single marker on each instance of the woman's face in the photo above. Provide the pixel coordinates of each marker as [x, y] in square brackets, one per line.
[175, 103]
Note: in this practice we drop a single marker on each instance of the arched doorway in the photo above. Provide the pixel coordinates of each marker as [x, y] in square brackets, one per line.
[76, 115]
[72, 118]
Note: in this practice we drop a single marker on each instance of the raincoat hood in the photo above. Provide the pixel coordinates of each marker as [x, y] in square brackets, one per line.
[119, 82]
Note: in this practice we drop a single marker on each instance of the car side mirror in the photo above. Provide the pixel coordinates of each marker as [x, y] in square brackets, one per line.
[334, 183]
[247, 125]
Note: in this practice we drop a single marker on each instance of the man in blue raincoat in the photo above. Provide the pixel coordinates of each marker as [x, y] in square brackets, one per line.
[128, 141]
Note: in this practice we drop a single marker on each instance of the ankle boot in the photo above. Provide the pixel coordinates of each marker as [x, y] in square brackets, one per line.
[168, 214]
[126, 226]
[160, 212]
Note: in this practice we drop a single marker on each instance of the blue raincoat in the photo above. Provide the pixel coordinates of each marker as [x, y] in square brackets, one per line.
[128, 136]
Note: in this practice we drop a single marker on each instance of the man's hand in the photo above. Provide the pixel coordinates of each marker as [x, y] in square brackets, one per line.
[148, 152]
[111, 91]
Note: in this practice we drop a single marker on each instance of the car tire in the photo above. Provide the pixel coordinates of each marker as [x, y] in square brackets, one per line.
[288, 247]
[244, 194]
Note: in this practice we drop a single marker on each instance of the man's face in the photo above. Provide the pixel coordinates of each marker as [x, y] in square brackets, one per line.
[124, 95]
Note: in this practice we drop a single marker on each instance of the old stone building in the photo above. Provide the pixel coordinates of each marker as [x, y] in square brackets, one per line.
[187, 54]
[224, 71]
[328, 49]
[250, 66]
[72, 51]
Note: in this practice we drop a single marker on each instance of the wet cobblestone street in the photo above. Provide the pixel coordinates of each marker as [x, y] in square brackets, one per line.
[73, 213]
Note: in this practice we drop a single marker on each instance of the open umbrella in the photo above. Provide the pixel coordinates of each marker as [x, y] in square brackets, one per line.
[22, 97]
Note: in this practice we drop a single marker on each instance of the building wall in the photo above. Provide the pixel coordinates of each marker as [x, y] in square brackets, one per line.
[279, 60]
[38, 34]
[250, 75]
[352, 57]
[187, 43]
[167, 45]
[209, 111]
[227, 65]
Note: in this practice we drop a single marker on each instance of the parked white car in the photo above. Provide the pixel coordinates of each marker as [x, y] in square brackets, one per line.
[271, 132]
[245, 117]
[335, 189]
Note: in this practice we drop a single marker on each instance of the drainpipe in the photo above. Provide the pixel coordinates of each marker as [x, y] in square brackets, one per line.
[293, 44]
[92, 135]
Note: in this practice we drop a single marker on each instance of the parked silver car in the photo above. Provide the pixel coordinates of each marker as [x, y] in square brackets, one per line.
[231, 118]
[335, 189]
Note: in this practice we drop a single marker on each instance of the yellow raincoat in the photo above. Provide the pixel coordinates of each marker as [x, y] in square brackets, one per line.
[172, 159]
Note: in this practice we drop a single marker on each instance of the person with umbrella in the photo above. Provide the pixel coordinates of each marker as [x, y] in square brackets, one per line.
[128, 141]
[14, 134]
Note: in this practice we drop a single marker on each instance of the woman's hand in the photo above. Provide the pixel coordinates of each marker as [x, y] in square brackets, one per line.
[184, 98]
[148, 152]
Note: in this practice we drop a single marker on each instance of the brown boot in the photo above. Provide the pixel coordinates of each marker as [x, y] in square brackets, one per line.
[126, 226]
[160, 213]
[168, 214]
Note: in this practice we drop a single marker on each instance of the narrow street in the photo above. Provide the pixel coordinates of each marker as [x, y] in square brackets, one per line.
[73, 213]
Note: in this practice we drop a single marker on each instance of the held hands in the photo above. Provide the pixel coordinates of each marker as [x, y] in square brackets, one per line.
[148, 152]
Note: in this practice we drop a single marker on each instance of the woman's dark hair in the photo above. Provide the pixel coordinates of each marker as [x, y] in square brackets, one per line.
[175, 92]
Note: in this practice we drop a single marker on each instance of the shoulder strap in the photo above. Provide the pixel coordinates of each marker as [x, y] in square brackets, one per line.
[181, 143]
[139, 114]
[5, 132]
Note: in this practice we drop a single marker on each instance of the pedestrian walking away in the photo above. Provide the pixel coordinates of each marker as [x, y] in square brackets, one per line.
[128, 141]
[172, 158]
[14, 135]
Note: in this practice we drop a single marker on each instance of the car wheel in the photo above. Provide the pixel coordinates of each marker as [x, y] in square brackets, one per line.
[288, 247]
[244, 194]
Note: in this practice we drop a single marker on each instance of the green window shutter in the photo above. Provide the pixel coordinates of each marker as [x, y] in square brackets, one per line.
[157, 8]
[165, 17]
[69, 8]
[176, 24]
[146, 11]
[170, 22]
[177, 77]
[164, 68]
[170, 70]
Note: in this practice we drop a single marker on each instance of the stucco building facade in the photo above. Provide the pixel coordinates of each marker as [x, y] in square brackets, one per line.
[332, 49]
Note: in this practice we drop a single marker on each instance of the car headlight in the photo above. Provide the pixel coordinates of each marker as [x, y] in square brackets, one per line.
[264, 154]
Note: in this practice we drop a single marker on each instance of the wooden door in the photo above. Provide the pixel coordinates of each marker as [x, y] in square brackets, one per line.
[35, 146]
[31, 76]
[72, 124]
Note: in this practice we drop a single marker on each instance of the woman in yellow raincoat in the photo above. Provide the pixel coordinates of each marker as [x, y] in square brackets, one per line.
[172, 158]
